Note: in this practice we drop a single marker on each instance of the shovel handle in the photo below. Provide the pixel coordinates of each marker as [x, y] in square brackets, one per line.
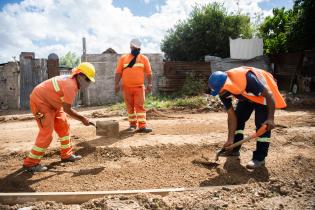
[259, 132]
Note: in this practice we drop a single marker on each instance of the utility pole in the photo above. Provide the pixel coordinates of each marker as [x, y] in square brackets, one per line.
[238, 6]
[84, 49]
[18, 81]
[86, 92]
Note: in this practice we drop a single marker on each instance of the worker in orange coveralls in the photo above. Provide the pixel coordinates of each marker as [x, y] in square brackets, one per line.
[131, 68]
[50, 101]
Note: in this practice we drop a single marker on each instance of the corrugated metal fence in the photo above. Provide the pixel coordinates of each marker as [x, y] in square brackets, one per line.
[295, 69]
[175, 73]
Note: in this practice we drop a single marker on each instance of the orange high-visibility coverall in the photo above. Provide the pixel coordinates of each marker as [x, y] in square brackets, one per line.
[46, 105]
[133, 87]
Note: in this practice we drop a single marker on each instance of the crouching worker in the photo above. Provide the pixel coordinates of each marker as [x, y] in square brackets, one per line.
[256, 90]
[50, 101]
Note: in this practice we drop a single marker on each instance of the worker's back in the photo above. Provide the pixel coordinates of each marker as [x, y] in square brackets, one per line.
[53, 92]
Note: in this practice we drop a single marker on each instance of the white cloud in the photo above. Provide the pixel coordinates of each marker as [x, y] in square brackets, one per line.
[56, 26]
[147, 1]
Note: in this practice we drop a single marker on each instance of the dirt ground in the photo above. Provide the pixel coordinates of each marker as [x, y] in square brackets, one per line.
[166, 159]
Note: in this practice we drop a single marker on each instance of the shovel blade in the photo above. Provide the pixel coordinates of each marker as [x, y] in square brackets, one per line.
[218, 154]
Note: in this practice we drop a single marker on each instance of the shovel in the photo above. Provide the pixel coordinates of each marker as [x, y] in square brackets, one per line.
[260, 132]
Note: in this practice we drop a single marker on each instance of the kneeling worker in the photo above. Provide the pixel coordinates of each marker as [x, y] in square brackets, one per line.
[50, 101]
[256, 90]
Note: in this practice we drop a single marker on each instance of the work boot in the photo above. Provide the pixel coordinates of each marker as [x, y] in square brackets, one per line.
[72, 158]
[255, 164]
[230, 153]
[145, 130]
[132, 128]
[36, 168]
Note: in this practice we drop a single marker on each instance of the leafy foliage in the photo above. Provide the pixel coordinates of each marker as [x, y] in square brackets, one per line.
[194, 85]
[302, 31]
[274, 31]
[206, 31]
[289, 30]
[70, 60]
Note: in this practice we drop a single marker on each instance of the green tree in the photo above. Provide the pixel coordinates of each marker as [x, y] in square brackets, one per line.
[289, 30]
[70, 60]
[274, 31]
[206, 31]
[302, 28]
[194, 85]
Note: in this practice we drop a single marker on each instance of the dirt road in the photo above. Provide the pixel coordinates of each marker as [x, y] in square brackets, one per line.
[165, 159]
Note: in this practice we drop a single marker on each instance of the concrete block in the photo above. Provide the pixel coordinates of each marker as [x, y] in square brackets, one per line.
[108, 128]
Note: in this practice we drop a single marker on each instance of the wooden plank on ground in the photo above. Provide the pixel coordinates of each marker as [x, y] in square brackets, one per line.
[81, 197]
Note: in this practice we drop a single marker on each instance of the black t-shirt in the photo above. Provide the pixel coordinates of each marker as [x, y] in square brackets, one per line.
[253, 86]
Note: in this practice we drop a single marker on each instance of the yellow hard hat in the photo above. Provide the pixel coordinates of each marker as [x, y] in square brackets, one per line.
[85, 68]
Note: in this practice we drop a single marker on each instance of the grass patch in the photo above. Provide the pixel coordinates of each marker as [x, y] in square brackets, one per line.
[167, 102]
[190, 102]
[116, 106]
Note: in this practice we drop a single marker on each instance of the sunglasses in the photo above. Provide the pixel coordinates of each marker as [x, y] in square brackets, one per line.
[85, 78]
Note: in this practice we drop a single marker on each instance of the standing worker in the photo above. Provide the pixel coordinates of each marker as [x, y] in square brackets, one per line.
[256, 90]
[131, 68]
[50, 101]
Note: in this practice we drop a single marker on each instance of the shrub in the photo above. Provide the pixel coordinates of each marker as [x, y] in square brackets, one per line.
[194, 85]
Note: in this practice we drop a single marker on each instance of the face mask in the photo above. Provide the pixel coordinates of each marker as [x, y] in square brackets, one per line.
[135, 52]
[84, 82]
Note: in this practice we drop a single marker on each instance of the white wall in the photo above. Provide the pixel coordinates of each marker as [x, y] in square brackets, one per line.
[102, 91]
[246, 48]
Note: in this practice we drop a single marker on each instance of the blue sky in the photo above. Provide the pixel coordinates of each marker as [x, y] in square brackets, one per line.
[149, 7]
[4, 2]
[267, 5]
[57, 26]
[140, 7]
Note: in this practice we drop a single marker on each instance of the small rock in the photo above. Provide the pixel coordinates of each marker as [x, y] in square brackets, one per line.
[216, 194]
[226, 189]
[273, 180]
[284, 191]
[153, 206]
[123, 198]
[225, 205]
[310, 191]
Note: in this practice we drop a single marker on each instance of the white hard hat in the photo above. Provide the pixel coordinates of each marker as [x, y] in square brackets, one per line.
[135, 43]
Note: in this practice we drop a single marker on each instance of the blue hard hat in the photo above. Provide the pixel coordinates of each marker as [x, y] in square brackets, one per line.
[216, 82]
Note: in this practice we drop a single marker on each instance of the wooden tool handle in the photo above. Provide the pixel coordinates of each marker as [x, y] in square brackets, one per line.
[260, 132]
